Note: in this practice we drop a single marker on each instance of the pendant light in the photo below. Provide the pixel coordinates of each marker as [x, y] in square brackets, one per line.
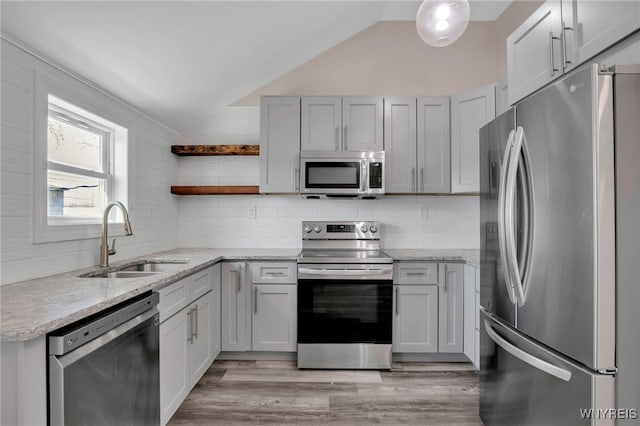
[441, 22]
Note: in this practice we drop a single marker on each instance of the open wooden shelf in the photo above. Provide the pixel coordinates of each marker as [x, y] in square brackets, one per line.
[208, 150]
[214, 190]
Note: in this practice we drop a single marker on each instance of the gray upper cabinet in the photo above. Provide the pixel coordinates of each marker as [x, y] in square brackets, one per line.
[469, 112]
[417, 145]
[434, 145]
[400, 144]
[562, 34]
[331, 123]
[279, 143]
[589, 27]
[533, 51]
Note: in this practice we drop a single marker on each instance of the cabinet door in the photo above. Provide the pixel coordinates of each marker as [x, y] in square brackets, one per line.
[234, 307]
[201, 348]
[400, 145]
[450, 307]
[470, 312]
[434, 145]
[415, 319]
[274, 320]
[174, 378]
[279, 143]
[216, 327]
[469, 112]
[592, 26]
[533, 51]
[362, 118]
[321, 123]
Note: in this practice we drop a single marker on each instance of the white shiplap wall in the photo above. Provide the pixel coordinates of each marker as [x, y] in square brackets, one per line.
[154, 211]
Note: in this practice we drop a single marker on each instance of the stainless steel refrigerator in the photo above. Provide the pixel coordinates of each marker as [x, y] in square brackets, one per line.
[560, 254]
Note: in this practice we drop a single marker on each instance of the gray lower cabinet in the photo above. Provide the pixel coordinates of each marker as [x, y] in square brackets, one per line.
[428, 307]
[451, 307]
[189, 335]
[415, 318]
[235, 295]
[471, 314]
[273, 323]
[259, 301]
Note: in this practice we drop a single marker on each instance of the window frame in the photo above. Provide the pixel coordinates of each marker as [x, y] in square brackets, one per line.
[91, 107]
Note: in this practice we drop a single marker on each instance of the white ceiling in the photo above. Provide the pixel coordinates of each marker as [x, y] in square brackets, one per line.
[181, 61]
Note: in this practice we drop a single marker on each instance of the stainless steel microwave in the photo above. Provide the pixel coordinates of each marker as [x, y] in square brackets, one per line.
[348, 174]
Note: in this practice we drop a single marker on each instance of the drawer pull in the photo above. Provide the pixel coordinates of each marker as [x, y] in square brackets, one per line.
[415, 274]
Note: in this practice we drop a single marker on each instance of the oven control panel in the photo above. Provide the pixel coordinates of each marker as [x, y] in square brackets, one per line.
[363, 230]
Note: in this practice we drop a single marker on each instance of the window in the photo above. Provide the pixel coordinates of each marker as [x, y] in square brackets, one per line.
[81, 160]
[79, 172]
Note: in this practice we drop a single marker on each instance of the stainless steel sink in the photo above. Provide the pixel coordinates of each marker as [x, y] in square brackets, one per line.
[122, 274]
[138, 270]
[154, 267]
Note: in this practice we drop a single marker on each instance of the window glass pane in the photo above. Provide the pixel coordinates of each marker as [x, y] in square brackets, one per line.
[75, 195]
[70, 144]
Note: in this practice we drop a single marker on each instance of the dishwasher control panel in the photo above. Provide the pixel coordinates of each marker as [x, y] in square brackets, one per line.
[71, 337]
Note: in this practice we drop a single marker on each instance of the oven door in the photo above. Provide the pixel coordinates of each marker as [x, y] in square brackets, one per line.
[325, 176]
[345, 304]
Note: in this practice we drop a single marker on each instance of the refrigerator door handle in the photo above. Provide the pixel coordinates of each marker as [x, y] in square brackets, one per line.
[523, 356]
[501, 217]
[509, 225]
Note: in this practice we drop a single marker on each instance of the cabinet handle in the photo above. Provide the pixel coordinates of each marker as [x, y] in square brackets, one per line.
[565, 62]
[275, 274]
[344, 139]
[413, 179]
[196, 321]
[337, 138]
[255, 300]
[189, 332]
[296, 178]
[397, 300]
[238, 279]
[551, 53]
[415, 274]
[445, 278]
[421, 179]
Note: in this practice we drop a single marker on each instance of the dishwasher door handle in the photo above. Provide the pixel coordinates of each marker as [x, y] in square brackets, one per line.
[106, 338]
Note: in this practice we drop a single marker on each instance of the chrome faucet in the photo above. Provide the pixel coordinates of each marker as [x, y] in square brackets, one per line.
[105, 251]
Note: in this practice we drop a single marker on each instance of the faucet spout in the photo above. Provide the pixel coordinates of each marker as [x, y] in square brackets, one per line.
[105, 251]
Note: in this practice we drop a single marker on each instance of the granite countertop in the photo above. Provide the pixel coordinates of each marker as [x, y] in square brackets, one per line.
[471, 256]
[35, 307]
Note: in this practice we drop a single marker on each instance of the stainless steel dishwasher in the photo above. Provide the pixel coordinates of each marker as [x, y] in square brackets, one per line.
[105, 370]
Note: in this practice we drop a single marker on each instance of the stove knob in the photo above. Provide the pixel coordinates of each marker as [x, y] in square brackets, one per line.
[317, 229]
[373, 229]
[364, 229]
[307, 229]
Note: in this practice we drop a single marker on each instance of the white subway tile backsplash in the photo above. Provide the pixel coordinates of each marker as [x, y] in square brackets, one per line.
[278, 220]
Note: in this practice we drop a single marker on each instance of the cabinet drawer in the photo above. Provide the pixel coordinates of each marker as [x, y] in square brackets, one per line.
[274, 272]
[173, 298]
[415, 273]
[201, 283]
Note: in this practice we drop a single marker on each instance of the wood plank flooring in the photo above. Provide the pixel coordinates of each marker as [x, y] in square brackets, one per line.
[276, 392]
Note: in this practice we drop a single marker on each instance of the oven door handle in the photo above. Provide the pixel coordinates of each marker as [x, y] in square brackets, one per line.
[337, 273]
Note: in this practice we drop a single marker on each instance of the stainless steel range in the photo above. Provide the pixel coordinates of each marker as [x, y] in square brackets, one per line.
[345, 297]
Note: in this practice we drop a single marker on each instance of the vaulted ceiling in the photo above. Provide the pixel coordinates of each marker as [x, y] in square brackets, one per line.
[180, 61]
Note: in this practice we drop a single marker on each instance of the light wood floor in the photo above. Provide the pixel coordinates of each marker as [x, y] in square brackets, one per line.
[276, 392]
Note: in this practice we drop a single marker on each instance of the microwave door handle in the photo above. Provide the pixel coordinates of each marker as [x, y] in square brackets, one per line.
[364, 173]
